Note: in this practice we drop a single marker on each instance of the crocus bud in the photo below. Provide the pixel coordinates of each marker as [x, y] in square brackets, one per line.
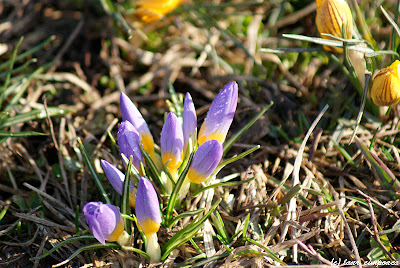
[147, 207]
[128, 143]
[189, 121]
[116, 178]
[332, 16]
[152, 10]
[130, 113]
[220, 115]
[385, 90]
[171, 143]
[205, 160]
[104, 220]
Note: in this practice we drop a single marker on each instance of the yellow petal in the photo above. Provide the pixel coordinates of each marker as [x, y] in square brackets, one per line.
[332, 16]
[385, 90]
[152, 10]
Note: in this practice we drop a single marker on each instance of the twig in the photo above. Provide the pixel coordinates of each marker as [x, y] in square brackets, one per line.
[378, 203]
[351, 238]
[376, 233]
[310, 250]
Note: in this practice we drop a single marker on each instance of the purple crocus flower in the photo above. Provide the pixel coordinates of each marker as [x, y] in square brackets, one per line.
[116, 178]
[171, 142]
[220, 115]
[128, 142]
[189, 121]
[130, 113]
[205, 160]
[147, 207]
[104, 220]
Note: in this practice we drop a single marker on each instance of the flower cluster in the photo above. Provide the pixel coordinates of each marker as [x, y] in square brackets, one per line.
[178, 142]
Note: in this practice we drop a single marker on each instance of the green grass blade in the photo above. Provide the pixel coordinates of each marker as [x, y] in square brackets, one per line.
[141, 252]
[28, 52]
[235, 158]
[175, 193]
[34, 115]
[90, 247]
[10, 68]
[229, 143]
[125, 196]
[186, 214]
[186, 233]
[21, 134]
[220, 227]
[59, 245]
[222, 184]
[344, 153]
[94, 173]
[386, 180]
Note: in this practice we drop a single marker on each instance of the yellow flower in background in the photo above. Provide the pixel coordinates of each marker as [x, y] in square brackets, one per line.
[332, 16]
[385, 90]
[152, 10]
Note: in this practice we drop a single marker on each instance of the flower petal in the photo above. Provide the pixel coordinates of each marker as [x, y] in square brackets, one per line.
[189, 120]
[171, 142]
[104, 220]
[205, 160]
[116, 179]
[147, 207]
[130, 113]
[128, 143]
[220, 115]
[385, 89]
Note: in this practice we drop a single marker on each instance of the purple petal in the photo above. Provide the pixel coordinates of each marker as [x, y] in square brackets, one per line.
[103, 219]
[205, 160]
[128, 142]
[189, 120]
[130, 113]
[171, 141]
[220, 114]
[147, 205]
[115, 177]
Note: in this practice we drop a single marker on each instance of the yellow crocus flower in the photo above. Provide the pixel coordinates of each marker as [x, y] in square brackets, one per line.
[385, 90]
[332, 16]
[152, 10]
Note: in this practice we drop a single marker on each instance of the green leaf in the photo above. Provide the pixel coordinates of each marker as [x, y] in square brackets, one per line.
[90, 247]
[268, 252]
[344, 153]
[378, 253]
[235, 158]
[28, 52]
[186, 214]
[94, 173]
[223, 184]
[34, 115]
[387, 181]
[175, 193]
[59, 245]
[3, 212]
[144, 254]
[21, 134]
[292, 193]
[211, 259]
[229, 143]
[246, 226]
[186, 233]
[220, 227]
[332, 43]
[125, 195]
